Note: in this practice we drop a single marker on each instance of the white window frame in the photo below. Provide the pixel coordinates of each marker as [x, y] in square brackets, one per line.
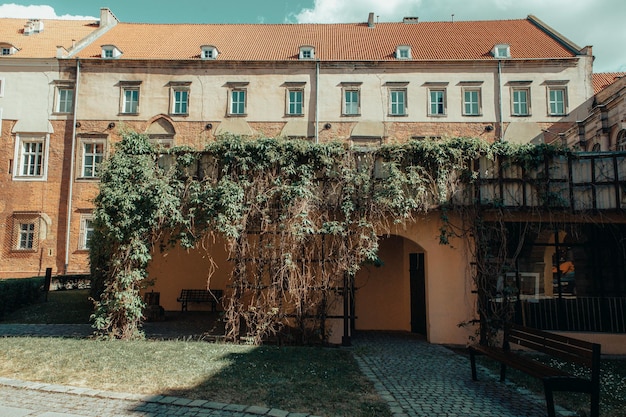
[61, 105]
[441, 92]
[110, 52]
[130, 87]
[28, 231]
[350, 108]
[306, 52]
[552, 102]
[237, 108]
[501, 51]
[176, 88]
[515, 102]
[86, 231]
[97, 158]
[403, 52]
[4, 51]
[208, 52]
[26, 236]
[478, 104]
[20, 164]
[393, 103]
[291, 101]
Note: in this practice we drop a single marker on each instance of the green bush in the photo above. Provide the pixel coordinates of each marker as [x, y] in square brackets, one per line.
[16, 293]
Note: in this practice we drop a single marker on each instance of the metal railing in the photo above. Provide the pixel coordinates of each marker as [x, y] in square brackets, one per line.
[584, 314]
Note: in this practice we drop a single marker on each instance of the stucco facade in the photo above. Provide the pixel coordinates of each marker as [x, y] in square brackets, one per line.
[188, 84]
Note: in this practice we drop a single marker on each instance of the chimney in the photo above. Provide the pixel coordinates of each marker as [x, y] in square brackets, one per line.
[107, 18]
[410, 19]
[370, 20]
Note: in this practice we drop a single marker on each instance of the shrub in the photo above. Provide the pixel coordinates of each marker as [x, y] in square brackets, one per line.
[16, 293]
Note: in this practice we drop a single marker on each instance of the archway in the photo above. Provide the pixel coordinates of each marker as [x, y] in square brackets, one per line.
[391, 295]
[161, 132]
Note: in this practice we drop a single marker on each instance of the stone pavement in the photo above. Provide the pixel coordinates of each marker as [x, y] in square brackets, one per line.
[414, 377]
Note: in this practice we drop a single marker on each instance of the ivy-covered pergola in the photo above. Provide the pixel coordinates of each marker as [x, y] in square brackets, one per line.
[298, 218]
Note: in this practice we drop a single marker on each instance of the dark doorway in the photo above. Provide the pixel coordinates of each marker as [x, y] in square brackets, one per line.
[418, 293]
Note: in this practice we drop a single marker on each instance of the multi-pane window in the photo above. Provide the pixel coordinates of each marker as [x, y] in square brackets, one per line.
[520, 102]
[238, 102]
[397, 102]
[130, 100]
[437, 100]
[26, 236]
[6, 51]
[181, 101]
[471, 102]
[86, 232]
[93, 154]
[556, 101]
[351, 105]
[32, 158]
[294, 105]
[65, 100]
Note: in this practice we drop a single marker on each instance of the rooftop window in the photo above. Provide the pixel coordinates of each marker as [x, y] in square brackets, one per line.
[307, 52]
[209, 52]
[501, 50]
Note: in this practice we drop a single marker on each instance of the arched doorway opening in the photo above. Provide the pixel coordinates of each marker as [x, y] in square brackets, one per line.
[391, 294]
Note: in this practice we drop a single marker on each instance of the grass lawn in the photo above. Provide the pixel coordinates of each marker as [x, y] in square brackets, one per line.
[62, 307]
[313, 380]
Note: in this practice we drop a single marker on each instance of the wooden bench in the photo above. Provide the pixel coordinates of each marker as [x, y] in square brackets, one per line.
[199, 296]
[566, 348]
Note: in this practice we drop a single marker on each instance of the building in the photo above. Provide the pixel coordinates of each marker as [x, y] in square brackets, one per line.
[365, 84]
[37, 95]
[604, 127]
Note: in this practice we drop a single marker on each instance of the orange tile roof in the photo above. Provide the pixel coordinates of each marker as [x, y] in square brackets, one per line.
[601, 80]
[462, 40]
[44, 44]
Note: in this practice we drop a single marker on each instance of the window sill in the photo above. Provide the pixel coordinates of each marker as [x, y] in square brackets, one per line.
[351, 115]
[521, 115]
[294, 115]
[438, 115]
[238, 115]
[472, 115]
[558, 115]
[28, 178]
[398, 115]
[14, 250]
[128, 114]
[88, 179]
[179, 114]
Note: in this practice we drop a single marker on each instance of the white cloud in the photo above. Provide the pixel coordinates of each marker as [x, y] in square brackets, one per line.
[36, 12]
[585, 22]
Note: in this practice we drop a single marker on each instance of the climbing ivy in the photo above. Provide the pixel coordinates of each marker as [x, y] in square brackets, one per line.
[296, 218]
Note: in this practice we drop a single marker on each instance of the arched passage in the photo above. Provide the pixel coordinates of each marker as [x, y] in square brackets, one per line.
[392, 295]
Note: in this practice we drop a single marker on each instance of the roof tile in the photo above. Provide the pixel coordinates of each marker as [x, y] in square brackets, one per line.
[462, 40]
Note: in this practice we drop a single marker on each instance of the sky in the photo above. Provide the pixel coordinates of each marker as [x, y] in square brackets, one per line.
[599, 23]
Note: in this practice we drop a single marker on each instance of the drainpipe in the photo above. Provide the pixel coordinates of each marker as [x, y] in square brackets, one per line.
[70, 193]
[317, 96]
[499, 116]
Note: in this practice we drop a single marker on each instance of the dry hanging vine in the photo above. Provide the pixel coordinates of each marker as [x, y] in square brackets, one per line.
[296, 218]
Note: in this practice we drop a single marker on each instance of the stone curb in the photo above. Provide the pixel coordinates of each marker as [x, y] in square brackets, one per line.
[148, 399]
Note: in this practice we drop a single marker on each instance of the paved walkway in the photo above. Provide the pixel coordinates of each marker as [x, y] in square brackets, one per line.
[414, 377]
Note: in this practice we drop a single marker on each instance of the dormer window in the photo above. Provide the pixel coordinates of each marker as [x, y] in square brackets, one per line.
[403, 52]
[7, 49]
[208, 52]
[110, 52]
[307, 52]
[501, 50]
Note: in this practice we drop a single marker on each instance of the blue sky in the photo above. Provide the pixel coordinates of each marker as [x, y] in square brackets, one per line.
[599, 23]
